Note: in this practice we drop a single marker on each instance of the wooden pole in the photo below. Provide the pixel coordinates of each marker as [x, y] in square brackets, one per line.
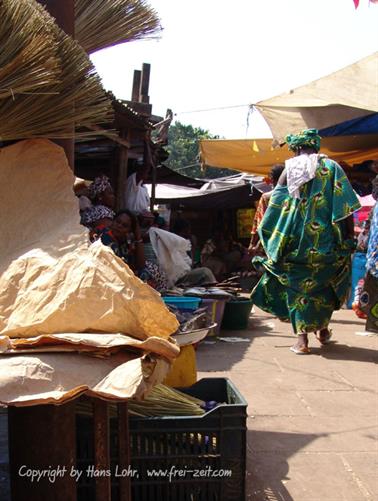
[101, 444]
[145, 83]
[136, 86]
[153, 188]
[124, 452]
[64, 14]
[43, 438]
[123, 158]
[4, 456]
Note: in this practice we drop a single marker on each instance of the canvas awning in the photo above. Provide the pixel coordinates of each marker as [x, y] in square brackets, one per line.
[230, 197]
[256, 156]
[344, 95]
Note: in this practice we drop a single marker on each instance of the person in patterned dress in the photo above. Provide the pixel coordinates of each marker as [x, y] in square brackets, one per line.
[254, 245]
[369, 296]
[307, 235]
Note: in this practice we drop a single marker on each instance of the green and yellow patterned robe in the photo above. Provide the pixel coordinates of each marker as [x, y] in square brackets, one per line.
[307, 269]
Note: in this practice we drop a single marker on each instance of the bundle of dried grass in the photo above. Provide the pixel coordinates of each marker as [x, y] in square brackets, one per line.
[166, 401]
[27, 58]
[78, 97]
[102, 23]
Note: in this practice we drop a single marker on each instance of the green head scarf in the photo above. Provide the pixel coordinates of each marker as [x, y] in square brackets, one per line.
[307, 138]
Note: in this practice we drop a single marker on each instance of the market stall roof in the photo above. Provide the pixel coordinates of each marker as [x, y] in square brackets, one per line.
[166, 175]
[344, 95]
[214, 194]
[256, 156]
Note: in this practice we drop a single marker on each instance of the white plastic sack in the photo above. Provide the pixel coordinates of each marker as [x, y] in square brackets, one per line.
[172, 254]
[136, 198]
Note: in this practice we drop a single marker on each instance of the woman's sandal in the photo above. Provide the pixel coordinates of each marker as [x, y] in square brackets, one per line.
[324, 339]
[303, 350]
[301, 346]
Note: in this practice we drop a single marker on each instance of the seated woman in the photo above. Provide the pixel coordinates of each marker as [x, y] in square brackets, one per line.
[222, 255]
[125, 239]
[100, 214]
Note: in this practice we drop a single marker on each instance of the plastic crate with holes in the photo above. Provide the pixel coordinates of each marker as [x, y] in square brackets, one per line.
[195, 458]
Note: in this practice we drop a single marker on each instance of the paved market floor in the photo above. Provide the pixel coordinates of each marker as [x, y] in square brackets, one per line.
[312, 419]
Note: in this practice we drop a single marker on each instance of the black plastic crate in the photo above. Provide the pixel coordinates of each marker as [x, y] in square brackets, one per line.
[197, 458]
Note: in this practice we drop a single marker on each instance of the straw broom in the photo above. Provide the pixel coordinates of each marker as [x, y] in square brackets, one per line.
[103, 23]
[27, 58]
[77, 97]
[161, 401]
[165, 401]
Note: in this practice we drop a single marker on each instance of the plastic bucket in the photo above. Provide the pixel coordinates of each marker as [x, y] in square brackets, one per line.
[358, 272]
[236, 314]
[183, 302]
[216, 310]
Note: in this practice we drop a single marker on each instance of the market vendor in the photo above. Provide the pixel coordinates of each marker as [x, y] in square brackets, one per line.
[100, 214]
[124, 237]
[147, 220]
[136, 197]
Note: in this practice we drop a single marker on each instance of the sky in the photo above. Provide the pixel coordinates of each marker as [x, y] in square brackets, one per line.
[222, 54]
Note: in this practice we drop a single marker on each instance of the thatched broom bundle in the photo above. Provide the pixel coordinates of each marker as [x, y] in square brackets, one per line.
[28, 59]
[102, 23]
[76, 97]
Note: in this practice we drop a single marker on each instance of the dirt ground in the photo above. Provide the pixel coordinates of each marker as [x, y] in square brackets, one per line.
[312, 419]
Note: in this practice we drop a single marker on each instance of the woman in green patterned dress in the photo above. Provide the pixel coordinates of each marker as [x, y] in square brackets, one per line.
[307, 234]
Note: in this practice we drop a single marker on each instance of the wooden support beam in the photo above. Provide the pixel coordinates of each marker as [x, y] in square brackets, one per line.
[43, 438]
[4, 456]
[124, 452]
[114, 137]
[123, 159]
[153, 188]
[145, 83]
[64, 14]
[101, 443]
[136, 86]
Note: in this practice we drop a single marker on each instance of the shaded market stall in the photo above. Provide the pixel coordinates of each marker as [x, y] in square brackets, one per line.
[227, 201]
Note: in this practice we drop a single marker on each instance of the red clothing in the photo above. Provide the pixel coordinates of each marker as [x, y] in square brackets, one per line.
[260, 211]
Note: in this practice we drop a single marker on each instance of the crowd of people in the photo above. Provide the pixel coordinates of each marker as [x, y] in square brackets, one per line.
[140, 238]
[302, 240]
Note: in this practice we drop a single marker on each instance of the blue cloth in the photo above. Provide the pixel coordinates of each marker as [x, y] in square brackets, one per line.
[372, 252]
[362, 125]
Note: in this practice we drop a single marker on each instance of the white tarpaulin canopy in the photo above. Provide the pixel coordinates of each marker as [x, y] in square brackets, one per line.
[346, 94]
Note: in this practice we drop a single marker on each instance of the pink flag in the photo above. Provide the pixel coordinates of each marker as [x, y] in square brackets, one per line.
[356, 2]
